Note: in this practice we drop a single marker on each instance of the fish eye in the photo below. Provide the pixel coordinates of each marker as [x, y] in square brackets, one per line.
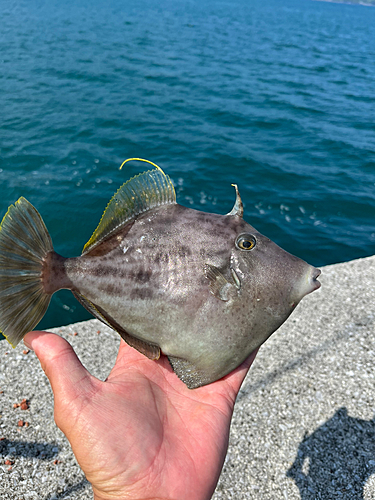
[245, 242]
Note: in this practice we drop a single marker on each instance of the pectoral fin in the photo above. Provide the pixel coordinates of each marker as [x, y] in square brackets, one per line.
[152, 351]
[219, 285]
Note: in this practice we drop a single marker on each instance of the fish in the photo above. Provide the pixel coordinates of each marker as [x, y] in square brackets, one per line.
[203, 289]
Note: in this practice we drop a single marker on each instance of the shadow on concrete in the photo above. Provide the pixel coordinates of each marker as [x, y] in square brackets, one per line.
[70, 490]
[42, 451]
[336, 460]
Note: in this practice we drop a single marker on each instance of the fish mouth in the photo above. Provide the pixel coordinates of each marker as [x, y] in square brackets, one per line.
[314, 278]
[310, 281]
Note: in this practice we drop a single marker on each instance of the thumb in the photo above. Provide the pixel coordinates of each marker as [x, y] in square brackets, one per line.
[67, 376]
[234, 379]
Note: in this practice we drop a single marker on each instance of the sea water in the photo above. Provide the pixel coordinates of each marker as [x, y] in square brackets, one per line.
[277, 96]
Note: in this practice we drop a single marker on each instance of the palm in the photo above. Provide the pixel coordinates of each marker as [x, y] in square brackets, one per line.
[142, 433]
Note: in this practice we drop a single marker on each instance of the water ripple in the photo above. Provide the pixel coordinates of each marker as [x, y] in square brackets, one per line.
[275, 96]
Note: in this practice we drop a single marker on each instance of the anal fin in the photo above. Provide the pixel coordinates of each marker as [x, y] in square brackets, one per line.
[152, 351]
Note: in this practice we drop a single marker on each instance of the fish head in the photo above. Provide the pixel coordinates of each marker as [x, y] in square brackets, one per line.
[269, 279]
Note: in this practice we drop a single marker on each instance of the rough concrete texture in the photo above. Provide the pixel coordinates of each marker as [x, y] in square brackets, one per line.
[303, 426]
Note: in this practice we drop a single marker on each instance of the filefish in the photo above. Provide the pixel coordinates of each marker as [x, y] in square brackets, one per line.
[204, 289]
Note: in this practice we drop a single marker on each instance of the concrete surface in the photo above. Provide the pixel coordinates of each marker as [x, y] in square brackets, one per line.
[303, 426]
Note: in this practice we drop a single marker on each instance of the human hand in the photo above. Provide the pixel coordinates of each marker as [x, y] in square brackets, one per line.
[141, 434]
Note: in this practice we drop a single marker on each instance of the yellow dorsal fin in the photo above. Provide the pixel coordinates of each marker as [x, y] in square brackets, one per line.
[138, 195]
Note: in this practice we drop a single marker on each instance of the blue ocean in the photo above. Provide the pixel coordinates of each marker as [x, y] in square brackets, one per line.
[277, 96]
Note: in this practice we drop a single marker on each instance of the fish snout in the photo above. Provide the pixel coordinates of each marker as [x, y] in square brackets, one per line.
[306, 284]
[310, 281]
[314, 278]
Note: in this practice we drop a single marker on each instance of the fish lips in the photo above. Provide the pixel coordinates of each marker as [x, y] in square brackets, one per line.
[309, 283]
[312, 281]
[314, 278]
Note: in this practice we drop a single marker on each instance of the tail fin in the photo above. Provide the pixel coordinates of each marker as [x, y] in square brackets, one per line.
[24, 244]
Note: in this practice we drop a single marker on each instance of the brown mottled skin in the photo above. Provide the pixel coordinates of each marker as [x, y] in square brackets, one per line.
[151, 279]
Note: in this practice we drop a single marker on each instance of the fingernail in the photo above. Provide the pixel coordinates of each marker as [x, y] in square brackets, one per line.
[28, 345]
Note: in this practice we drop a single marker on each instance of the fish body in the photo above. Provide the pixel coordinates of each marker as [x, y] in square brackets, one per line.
[204, 289]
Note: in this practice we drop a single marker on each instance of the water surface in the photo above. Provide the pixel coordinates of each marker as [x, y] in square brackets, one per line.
[276, 96]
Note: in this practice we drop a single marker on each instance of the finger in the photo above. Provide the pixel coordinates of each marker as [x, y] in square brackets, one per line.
[236, 378]
[128, 355]
[67, 375]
